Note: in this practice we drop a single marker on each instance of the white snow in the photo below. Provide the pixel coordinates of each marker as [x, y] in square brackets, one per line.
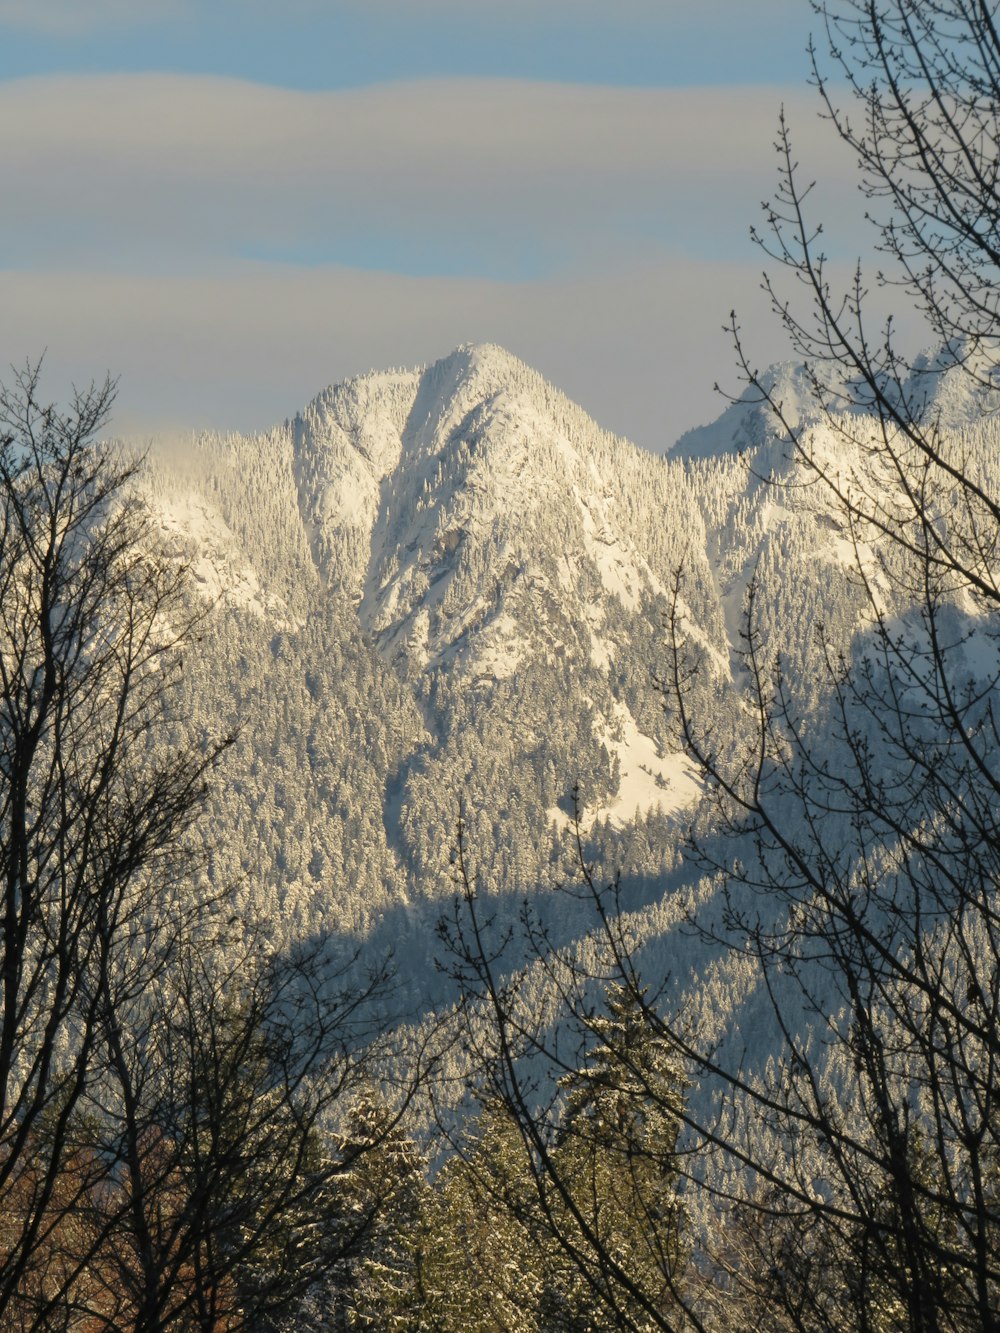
[197, 533]
[619, 574]
[648, 780]
[349, 499]
[498, 649]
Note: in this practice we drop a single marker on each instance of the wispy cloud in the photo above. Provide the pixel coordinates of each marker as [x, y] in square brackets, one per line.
[599, 232]
[494, 176]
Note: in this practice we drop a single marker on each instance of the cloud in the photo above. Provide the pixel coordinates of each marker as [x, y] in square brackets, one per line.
[493, 176]
[229, 248]
[640, 347]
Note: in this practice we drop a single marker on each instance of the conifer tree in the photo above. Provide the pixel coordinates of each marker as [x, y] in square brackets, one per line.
[601, 1157]
[616, 1148]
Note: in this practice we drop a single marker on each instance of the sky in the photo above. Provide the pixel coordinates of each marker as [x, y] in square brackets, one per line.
[230, 204]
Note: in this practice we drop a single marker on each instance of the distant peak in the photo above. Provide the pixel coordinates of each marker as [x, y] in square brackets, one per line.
[784, 398]
[481, 354]
[474, 359]
[467, 361]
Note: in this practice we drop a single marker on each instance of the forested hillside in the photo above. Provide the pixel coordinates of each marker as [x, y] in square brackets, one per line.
[460, 873]
[447, 595]
[449, 589]
[432, 588]
[573, 825]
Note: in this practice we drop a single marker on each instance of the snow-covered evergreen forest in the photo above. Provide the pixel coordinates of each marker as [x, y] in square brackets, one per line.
[447, 595]
[459, 689]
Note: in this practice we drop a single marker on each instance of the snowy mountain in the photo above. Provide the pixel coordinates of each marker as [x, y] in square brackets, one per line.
[457, 503]
[449, 588]
[446, 595]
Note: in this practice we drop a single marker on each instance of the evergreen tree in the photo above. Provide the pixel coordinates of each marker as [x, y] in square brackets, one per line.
[617, 1152]
[383, 1201]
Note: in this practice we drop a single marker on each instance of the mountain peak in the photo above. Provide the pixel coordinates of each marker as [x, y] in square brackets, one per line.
[457, 502]
[484, 358]
[468, 360]
[750, 421]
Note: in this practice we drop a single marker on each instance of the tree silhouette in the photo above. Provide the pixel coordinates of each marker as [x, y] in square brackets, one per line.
[171, 1086]
[861, 861]
[854, 1172]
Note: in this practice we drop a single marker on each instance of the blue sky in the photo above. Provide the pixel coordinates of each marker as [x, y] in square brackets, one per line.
[232, 204]
[341, 45]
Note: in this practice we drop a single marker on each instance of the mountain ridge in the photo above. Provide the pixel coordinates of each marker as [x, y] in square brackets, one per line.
[450, 584]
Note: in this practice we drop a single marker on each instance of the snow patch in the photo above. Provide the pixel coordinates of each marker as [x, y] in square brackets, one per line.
[689, 629]
[648, 780]
[860, 559]
[195, 532]
[620, 576]
[498, 651]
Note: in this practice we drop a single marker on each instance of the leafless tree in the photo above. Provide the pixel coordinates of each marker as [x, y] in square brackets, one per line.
[862, 868]
[858, 849]
[170, 1085]
[94, 797]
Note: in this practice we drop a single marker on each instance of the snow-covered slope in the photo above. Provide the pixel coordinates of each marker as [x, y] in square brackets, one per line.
[448, 590]
[457, 501]
[450, 584]
[431, 585]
